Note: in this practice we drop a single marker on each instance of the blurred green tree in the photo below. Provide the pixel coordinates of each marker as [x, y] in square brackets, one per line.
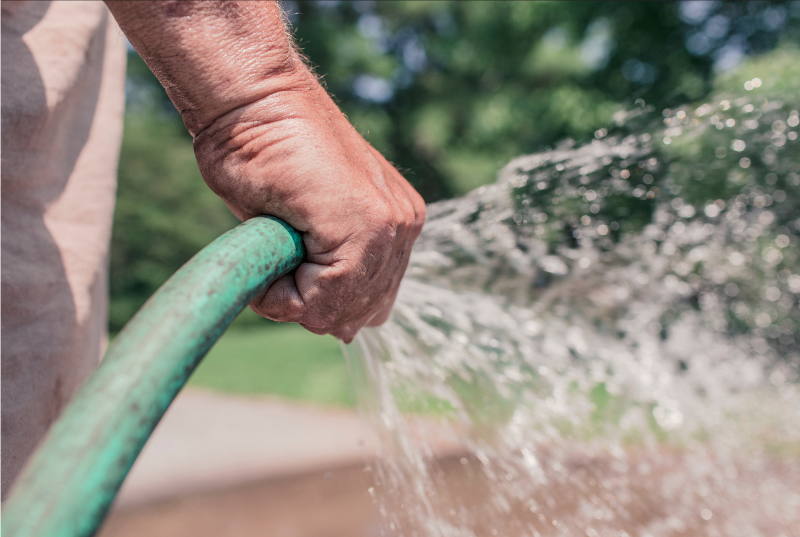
[450, 91]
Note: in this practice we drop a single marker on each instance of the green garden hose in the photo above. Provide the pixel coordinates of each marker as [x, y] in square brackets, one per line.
[71, 480]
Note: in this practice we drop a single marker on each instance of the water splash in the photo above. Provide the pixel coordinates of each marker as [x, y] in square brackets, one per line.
[608, 333]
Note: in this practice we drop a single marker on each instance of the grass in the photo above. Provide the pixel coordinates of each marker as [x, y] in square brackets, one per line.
[282, 360]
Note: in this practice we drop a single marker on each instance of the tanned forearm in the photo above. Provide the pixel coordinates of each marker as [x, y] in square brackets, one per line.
[213, 57]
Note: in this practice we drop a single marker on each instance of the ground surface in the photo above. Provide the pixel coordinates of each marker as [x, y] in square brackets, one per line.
[208, 441]
[333, 503]
[221, 464]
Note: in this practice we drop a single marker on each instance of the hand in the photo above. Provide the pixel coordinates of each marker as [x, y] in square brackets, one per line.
[295, 156]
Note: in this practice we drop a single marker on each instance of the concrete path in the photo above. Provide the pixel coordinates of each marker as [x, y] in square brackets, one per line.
[227, 466]
[208, 441]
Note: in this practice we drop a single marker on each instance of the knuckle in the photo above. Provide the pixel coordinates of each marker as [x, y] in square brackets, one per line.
[332, 280]
[382, 232]
[346, 333]
[264, 312]
[420, 212]
[322, 319]
[313, 330]
[384, 216]
[282, 313]
[278, 306]
[407, 214]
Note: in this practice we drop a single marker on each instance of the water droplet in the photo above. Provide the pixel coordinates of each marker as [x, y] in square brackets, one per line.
[777, 378]
[763, 319]
[711, 210]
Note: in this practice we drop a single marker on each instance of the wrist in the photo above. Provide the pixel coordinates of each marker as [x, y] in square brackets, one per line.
[292, 104]
[214, 57]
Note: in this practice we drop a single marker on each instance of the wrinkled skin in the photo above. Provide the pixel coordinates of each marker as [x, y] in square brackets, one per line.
[269, 140]
[358, 215]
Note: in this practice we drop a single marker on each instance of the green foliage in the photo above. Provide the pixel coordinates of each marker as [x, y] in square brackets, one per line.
[462, 87]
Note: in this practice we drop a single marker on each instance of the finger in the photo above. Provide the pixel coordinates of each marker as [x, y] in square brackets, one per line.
[383, 314]
[238, 212]
[317, 331]
[345, 334]
[330, 293]
[416, 200]
[318, 296]
[384, 310]
[376, 316]
[281, 301]
[347, 331]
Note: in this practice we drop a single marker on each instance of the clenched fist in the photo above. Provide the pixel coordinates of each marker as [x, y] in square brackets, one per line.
[307, 165]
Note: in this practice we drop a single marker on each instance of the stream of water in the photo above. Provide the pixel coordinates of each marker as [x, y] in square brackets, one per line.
[605, 338]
